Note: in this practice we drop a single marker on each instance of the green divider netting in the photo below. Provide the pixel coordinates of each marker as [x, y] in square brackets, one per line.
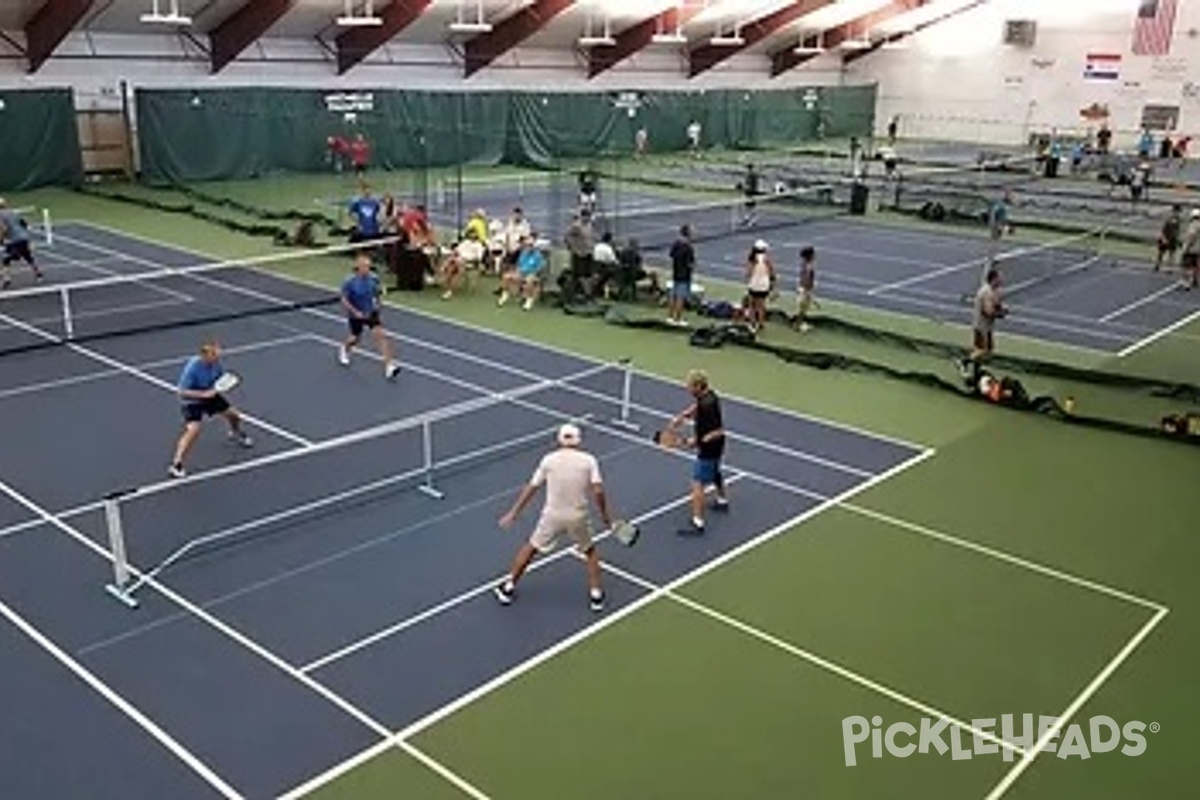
[40, 139]
[188, 136]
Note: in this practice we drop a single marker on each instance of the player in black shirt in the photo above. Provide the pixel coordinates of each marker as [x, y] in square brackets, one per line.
[589, 190]
[708, 436]
[683, 265]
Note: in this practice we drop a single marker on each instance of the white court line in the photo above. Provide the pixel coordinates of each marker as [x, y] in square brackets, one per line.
[88, 377]
[121, 704]
[1159, 334]
[507, 337]
[811, 657]
[926, 276]
[146, 377]
[325, 561]
[579, 390]
[1150, 298]
[1071, 710]
[250, 645]
[470, 594]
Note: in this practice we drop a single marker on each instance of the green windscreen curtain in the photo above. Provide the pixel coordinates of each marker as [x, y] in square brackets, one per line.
[187, 136]
[40, 139]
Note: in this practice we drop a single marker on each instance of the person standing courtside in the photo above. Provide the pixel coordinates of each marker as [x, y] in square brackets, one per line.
[199, 400]
[989, 307]
[570, 474]
[806, 284]
[16, 244]
[708, 440]
[366, 211]
[683, 267]
[360, 299]
[1191, 252]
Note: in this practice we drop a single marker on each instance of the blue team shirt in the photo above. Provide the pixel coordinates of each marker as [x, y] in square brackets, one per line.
[999, 213]
[200, 376]
[362, 292]
[365, 211]
[530, 262]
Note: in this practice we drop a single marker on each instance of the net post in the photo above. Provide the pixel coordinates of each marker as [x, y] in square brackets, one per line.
[427, 487]
[48, 227]
[623, 420]
[119, 588]
[64, 294]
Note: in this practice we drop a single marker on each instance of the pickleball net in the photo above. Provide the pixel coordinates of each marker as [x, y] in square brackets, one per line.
[1026, 268]
[656, 227]
[95, 293]
[495, 437]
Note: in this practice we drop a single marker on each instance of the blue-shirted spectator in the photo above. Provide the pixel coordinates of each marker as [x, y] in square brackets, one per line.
[361, 293]
[525, 276]
[200, 399]
[366, 211]
[998, 219]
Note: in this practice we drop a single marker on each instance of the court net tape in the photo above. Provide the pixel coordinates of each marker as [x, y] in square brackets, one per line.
[282, 491]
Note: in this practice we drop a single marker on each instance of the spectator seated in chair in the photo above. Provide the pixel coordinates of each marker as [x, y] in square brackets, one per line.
[524, 278]
[462, 262]
[605, 266]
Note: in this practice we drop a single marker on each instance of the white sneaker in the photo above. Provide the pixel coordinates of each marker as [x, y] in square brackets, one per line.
[528, 304]
[391, 370]
[242, 439]
[503, 299]
[177, 471]
[447, 295]
[343, 356]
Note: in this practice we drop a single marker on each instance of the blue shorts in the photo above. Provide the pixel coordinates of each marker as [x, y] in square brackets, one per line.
[707, 471]
[681, 290]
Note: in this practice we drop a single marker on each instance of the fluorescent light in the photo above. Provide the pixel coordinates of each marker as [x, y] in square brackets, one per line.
[359, 22]
[669, 38]
[596, 41]
[165, 19]
[471, 27]
[727, 41]
[808, 50]
[172, 17]
[856, 44]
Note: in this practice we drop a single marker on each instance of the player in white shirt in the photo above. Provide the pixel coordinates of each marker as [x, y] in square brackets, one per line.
[693, 135]
[572, 478]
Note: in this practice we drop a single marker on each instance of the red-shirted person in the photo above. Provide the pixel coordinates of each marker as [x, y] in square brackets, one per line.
[360, 154]
[415, 222]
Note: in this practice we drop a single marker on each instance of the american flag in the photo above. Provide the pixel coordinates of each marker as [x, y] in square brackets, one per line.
[1154, 26]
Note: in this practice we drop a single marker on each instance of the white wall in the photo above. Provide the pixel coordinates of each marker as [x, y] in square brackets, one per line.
[959, 81]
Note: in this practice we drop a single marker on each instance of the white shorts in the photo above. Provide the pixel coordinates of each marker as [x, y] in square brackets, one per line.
[550, 529]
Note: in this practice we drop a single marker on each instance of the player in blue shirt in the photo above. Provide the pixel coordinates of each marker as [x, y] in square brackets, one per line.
[366, 211]
[16, 244]
[360, 297]
[201, 400]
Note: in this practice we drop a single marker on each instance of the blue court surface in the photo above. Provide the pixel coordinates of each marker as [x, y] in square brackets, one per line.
[1112, 307]
[335, 604]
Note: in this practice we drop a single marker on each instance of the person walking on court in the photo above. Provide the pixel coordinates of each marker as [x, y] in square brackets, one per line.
[16, 244]
[708, 440]
[200, 399]
[1169, 236]
[571, 475]
[360, 298]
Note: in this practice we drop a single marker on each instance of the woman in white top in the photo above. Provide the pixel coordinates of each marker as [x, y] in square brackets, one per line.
[760, 282]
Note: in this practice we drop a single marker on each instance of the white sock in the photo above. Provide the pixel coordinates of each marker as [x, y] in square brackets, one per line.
[699, 523]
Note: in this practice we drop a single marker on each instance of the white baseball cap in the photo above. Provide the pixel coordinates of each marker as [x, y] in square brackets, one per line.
[569, 435]
[761, 244]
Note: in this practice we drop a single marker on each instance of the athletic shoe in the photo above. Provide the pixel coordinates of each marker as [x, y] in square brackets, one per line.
[177, 471]
[447, 295]
[391, 370]
[528, 304]
[343, 356]
[241, 438]
[504, 594]
[691, 530]
[596, 600]
[503, 299]
[720, 505]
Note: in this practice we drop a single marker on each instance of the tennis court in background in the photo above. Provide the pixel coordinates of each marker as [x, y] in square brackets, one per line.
[1070, 291]
[294, 642]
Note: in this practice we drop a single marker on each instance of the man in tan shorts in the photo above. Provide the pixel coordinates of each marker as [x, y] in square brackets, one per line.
[571, 476]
